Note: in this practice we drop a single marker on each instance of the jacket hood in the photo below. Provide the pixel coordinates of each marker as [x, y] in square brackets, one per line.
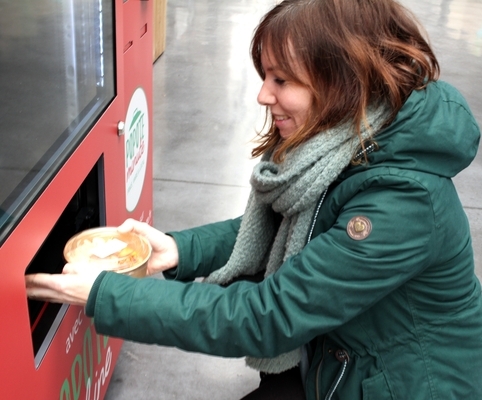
[434, 132]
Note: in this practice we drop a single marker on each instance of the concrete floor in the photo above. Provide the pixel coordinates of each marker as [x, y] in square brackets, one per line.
[205, 114]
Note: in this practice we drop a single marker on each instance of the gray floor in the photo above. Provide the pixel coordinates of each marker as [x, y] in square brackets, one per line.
[205, 115]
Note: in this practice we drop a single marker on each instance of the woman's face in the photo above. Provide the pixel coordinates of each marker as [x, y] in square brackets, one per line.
[288, 101]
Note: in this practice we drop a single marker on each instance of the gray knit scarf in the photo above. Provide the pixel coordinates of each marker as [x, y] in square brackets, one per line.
[291, 188]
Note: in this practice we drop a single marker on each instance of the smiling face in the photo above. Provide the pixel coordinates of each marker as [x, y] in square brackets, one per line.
[289, 102]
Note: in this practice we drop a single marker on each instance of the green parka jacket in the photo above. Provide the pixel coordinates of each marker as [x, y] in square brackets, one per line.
[391, 312]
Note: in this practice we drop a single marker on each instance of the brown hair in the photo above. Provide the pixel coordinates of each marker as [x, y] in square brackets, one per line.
[354, 52]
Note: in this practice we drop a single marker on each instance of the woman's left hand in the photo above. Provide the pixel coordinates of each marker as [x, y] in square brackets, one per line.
[72, 286]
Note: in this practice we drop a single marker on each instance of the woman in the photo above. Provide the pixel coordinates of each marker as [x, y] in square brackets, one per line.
[351, 273]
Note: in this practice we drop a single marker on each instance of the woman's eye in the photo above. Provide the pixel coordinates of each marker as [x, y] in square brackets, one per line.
[279, 81]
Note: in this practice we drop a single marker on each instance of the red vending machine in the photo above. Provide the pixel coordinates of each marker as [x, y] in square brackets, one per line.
[75, 153]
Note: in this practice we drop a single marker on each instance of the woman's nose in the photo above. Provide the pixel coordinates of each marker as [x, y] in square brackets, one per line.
[265, 96]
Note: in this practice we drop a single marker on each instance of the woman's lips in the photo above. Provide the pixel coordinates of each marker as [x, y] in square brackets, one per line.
[281, 121]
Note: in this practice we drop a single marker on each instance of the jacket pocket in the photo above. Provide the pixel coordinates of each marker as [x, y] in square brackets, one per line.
[376, 388]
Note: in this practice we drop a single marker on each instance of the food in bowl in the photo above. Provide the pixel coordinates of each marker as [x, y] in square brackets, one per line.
[126, 253]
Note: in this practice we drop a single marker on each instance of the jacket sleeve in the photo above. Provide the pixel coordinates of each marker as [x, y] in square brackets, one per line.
[204, 249]
[333, 280]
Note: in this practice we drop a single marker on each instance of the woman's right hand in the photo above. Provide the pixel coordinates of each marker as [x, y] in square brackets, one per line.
[164, 249]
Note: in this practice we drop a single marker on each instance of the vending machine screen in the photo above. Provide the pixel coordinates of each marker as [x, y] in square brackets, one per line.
[56, 78]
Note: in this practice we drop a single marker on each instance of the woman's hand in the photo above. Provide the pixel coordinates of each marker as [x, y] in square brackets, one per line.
[72, 286]
[164, 249]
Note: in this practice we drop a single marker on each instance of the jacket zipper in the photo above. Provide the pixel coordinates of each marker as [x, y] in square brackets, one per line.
[317, 380]
[342, 356]
[310, 235]
[318, 207]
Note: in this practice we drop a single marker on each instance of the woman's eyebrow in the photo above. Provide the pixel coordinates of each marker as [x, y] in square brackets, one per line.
[273, 68]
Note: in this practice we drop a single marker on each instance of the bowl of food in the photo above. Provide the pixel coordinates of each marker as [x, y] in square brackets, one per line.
[125, 253]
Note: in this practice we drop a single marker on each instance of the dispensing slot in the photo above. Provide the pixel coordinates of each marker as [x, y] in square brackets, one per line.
[85, 210]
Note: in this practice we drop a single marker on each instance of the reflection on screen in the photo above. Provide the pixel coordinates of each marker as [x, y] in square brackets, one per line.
[56, 77]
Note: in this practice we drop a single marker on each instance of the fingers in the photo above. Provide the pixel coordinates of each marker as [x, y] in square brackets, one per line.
[131, 225]
[142, 228]
[41, 287]
[84, 269]
[39, 281]
[60, 288]
[77, 268]
[69, 268]
[126, 226]
[43, 295]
